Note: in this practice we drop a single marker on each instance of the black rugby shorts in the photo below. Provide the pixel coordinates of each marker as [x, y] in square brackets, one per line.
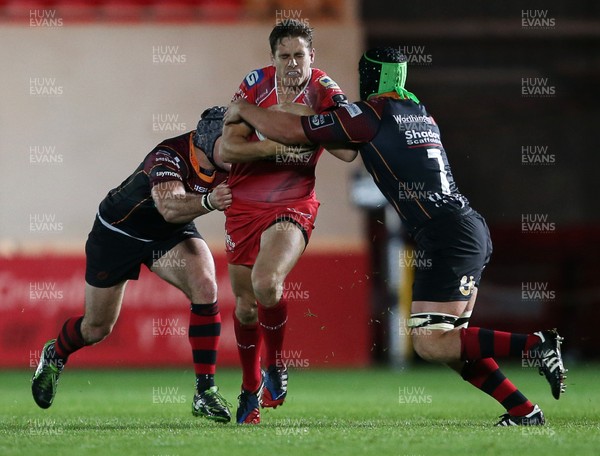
[451, 255]
[112, 258]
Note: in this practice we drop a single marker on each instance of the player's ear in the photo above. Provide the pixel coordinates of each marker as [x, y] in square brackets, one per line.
[272, 58]
[312, 56]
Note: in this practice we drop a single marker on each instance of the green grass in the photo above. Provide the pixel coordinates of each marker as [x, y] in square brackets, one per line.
[327, 412]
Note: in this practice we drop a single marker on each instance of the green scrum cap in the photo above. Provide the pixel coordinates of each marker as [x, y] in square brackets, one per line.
[383, 70]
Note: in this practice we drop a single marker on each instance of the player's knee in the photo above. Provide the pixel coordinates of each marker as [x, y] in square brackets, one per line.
[203, 288]
[428, 346]
[267, 288]
[246, 312]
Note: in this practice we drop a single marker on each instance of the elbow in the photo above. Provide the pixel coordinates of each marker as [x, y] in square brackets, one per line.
[347, 158]
[351, 158]
[346, 155]
[168, 214]
[171, 217]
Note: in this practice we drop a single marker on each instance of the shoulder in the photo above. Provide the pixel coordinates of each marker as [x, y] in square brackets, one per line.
[323, 92]
[177, 146]
[321, 80]
[171, 152]
[258, 75]
[254, 80]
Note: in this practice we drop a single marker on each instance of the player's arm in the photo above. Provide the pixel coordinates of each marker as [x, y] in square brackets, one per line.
[178, 206]
[335, 98]
[282, 127]
[343, 153]
[345, 127]
[236, 148]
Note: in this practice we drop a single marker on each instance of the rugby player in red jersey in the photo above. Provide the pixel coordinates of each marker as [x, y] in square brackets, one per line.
[147, 218]
[273, 212]
[401, 147]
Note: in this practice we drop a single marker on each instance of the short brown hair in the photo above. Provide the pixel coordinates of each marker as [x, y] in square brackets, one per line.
[291, 28]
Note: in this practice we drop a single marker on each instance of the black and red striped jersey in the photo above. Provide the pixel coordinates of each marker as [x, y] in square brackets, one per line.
[130, 209]
[401, 147]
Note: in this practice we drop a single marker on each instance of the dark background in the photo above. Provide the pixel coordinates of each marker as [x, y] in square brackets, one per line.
[478, 54]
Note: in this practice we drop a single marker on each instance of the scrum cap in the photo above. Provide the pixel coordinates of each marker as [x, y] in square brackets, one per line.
[209, 129]
[383, 70]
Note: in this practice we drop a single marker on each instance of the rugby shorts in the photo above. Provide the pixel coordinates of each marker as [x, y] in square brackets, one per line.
[112, 257]
[246, 221]
[452, 252]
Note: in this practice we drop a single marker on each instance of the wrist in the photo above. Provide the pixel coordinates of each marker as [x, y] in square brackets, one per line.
[205, 202]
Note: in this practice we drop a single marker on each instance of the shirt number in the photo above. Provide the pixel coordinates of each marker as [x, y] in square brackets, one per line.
[436, 154]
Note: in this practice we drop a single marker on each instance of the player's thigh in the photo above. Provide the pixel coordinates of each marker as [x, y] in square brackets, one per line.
[102, 305]
[455, 308]
[190, 267]
[281, 246]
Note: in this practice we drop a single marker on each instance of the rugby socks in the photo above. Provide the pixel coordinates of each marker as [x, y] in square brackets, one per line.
[486, 375]
[477, 343]
[69, 339]
[204, 334]
[272, 325]
[248, 343]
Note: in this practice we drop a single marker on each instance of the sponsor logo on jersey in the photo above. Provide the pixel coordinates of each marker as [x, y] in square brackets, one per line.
[168, 174]
[165, 156]
[200, 189]
[253, 77]
[399, 118]
[320, 120]
[415, 138]
[353, 110]
[168, 160]
[328, 83]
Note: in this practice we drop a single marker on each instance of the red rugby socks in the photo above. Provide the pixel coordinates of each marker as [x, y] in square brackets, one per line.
[272, 325]
[249, 344]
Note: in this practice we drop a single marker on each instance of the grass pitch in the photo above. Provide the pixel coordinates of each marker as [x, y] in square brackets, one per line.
[411, 412]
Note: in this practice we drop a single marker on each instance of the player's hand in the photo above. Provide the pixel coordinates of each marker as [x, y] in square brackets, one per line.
[220, 197]
[233, 112]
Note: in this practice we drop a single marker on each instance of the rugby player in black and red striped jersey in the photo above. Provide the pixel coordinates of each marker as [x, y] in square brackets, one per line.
[146, 220]
[400, 144]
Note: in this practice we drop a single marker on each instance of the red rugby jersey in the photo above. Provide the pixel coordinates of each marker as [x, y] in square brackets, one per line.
[281, 179]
